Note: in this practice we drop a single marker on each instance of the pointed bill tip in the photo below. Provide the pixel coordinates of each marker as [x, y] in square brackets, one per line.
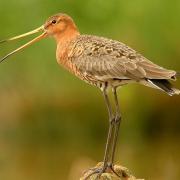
[3, 41]
[40, 29]
[43, 35]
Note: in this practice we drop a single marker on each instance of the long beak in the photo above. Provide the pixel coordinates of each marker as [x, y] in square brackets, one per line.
[23, 35]
[43, 35]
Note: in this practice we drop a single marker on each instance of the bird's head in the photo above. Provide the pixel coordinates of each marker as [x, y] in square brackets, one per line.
[60, 26]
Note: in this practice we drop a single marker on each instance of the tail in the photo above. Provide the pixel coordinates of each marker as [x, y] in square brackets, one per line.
[165, 86]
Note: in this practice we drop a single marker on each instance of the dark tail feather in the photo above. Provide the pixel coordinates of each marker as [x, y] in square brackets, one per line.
[165, 86]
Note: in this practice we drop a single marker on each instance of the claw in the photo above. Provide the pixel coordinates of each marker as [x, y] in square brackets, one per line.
[101, 171]
[108, 172]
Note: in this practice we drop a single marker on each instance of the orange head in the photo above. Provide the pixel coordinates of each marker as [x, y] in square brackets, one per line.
[60, 26]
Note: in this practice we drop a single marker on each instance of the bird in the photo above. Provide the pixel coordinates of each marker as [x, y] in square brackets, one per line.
[104, 63]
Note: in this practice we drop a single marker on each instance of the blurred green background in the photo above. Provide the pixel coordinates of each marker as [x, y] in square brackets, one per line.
[53, 125]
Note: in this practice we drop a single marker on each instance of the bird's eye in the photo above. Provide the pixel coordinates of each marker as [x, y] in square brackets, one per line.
[54, 21]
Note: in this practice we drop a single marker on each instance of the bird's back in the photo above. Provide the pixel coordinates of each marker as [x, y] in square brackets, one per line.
[100, 56]
[97, 59]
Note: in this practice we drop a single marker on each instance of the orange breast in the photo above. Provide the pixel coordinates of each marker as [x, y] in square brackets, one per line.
[63, 56]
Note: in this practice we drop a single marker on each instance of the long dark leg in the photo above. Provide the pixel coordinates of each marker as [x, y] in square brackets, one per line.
[114, 122]
[111, 130]
[117, 124]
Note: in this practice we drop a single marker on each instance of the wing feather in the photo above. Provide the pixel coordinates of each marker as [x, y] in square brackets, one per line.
[103, 57]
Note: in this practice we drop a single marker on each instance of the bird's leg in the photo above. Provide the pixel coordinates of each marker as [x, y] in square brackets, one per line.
[108, 149]
[117, 124]
[114, 124]
[110, 131]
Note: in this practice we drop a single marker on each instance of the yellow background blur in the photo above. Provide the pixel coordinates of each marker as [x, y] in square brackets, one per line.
[53, 125]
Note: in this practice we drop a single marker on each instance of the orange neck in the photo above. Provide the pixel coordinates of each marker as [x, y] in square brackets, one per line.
[63, 40]
[68, 35]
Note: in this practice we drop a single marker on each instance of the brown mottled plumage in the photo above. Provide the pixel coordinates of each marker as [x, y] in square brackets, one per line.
[99, 60]
[104, 63]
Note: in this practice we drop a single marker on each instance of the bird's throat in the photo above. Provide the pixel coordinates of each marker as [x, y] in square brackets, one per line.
[63, 45]
[66, 36]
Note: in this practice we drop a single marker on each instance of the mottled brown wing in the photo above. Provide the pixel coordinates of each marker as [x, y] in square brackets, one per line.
[106, 59]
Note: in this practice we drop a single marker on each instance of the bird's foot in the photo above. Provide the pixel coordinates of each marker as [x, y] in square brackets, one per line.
[108, 172]
[100, 171]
